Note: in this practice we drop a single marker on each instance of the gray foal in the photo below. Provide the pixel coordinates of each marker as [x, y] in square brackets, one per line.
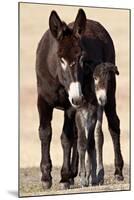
[89, 119]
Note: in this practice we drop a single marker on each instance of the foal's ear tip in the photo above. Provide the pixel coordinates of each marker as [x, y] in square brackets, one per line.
[116, 71]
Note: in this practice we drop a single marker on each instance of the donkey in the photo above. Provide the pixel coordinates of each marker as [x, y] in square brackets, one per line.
[59, 61]
[89, 124]
[102, 81]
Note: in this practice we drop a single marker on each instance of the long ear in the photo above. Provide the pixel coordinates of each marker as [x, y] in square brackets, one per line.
[56, 25]
[80, 23]
[110, 67]
[116, 70]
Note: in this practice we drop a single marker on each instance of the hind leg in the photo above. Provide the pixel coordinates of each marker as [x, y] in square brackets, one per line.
[82, 144]
[92, 155]
[99, 140]
[91, 147]
[88, 168]
[99, 154]
[114, 128]
[74, 159]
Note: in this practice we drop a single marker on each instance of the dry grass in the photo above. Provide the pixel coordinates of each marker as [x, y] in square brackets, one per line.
[30, 184]
[33, 23]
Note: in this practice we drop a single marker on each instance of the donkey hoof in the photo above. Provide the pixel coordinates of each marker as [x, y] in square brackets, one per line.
[101, 182]
[71, 181]
[94, 182]
[119, 177]
[84, 182]
[100, 176]
[46, 184]
[64, 185]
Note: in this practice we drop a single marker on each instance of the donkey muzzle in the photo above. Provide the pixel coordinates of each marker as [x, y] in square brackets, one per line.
[77, 101]
[101, 97]
[102, 101]
[75, 94]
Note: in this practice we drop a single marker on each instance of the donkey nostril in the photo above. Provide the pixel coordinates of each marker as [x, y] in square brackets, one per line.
[102, 101]
[77, 100]
[73, 101]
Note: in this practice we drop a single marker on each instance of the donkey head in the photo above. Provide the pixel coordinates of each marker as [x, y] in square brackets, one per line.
[101, 77]
[69, 53]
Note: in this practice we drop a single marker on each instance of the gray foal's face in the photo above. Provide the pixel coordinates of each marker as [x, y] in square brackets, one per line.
[101, 85]
[101, 75]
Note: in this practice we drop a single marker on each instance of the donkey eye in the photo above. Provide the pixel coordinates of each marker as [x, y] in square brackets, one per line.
[72, 64]
[95, 78]
[61, 59]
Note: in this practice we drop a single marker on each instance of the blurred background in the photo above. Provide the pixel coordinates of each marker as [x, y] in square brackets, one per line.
[33, 23]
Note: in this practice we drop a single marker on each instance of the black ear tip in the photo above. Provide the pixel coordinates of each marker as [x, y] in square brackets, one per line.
[53, 12]
[82, 12]
[116, 70]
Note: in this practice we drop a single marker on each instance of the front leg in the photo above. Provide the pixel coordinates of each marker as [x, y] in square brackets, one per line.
[82, 144]
[67, 141]
[45, 134]
[99, 140]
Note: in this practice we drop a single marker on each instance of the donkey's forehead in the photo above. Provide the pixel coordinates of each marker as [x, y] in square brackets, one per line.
[99, 70]
[103, 69]
[69, 41]
[69, 49]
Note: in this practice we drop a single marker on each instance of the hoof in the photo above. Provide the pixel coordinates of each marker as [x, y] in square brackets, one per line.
[71, 181]
[101, 182]
[46, 184]
[84, 182]
[94, 183]
[100, 176]
[64, 185]
[119, 177]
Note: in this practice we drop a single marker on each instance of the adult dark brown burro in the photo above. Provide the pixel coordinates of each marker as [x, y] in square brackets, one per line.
[62, 59]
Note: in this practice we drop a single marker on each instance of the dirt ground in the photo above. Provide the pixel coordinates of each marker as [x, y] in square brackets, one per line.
[30, 184]
[33, 23]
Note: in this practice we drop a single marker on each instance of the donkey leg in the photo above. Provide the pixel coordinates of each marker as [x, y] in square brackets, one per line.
[92, 154]
[74, 159]
[114, 128]
[88, 168]
[82, 144]
[99, 140]
[45, 133]
[67, 142]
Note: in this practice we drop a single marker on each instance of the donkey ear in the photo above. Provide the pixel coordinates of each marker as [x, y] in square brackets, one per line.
[116, 70]
[80, 23]
[56, 25]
